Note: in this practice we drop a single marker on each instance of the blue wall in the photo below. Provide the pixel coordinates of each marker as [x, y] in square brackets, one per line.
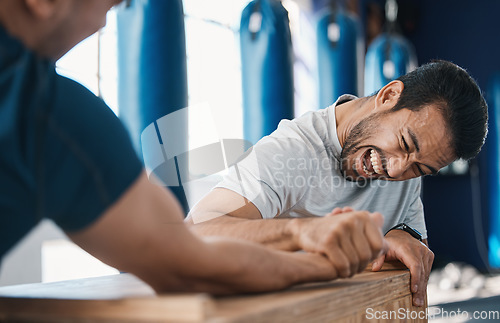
[467, 33]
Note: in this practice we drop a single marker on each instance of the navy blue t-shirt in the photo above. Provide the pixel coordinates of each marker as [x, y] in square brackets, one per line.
[64, 155]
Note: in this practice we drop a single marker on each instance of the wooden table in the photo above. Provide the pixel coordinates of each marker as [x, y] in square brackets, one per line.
[124, 298]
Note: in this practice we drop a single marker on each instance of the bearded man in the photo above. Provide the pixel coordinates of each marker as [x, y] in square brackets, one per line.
[358, 154]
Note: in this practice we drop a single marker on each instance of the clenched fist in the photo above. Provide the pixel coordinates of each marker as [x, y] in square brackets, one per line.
[349, 239]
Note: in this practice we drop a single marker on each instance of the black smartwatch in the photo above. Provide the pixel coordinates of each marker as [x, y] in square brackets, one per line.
[403, 226]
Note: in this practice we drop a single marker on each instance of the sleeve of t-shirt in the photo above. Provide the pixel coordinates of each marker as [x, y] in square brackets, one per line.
[415, 215]
[86, 159]
[273, 174]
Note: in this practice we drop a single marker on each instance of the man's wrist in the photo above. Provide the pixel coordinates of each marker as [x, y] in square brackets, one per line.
[293, 230]
[406, 228]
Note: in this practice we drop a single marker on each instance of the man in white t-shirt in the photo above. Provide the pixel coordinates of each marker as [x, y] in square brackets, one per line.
[296, 188]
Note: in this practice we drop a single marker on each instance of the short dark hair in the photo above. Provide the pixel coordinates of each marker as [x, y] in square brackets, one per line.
[451, 89]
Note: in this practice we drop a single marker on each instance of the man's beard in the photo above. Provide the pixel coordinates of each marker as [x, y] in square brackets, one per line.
[363, 130]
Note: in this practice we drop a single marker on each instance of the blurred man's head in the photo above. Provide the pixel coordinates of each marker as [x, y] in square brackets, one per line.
[53, 27]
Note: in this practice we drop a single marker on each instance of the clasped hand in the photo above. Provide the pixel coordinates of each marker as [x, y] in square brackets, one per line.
[350, 240]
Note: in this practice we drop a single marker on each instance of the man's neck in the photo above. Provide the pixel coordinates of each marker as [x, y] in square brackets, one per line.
[349, 114]
[16, 21]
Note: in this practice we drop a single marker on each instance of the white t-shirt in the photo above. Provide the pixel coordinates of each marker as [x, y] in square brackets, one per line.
[295, 172]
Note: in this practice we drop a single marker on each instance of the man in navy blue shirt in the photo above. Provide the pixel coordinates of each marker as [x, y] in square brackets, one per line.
[65, 156]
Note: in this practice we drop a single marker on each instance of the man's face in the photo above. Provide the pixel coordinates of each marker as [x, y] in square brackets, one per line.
[90, 15]
[78, 20]
[397, 146]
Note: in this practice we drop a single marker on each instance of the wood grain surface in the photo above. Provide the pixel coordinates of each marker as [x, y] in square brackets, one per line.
[124, 298]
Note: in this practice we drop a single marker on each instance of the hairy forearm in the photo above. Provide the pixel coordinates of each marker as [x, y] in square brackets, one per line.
[227, 266]
[218, 265]
[143, 234]
[276, 233]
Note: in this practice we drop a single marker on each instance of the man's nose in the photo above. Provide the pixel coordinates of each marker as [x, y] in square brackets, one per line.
[397, 166]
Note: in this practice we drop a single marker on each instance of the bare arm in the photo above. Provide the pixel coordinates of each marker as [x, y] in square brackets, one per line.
[223, 212]
[349, 240]
[143, 233]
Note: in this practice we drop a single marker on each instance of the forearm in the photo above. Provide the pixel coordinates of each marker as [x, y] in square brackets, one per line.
[275, 233]
[349, 239]
[227, 266]
[223, 266]
[143, 233]
[223, 212]
[171, 259]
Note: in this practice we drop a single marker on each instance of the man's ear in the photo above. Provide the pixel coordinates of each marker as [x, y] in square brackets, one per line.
[41, 9]
[388, 96]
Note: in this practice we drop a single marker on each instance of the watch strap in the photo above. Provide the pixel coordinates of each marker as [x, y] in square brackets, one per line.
[405, 227]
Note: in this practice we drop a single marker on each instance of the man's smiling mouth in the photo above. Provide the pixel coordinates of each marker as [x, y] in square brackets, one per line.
[372, 164]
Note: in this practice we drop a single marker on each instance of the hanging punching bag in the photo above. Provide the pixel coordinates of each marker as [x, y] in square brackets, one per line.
[387, 58]
[389, 55]
[493, 142]
[266, 68]
[340, 54]
[152, 76]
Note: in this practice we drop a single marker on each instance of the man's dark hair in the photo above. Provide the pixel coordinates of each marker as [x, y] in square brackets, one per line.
[451, 89]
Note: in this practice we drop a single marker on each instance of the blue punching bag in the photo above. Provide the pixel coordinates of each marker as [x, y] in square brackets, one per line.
[267, 68]
[389, 55]
[340, 54]
[387, 58]
[152, 75]
[493, 150]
